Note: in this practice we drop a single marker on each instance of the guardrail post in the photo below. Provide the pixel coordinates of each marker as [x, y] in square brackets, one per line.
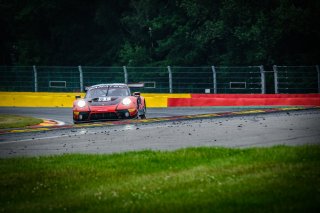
[275, 72]
[125, 72]
[170, 79]
[214, 78]
[35, 74]
[81, 78]
[263, 80]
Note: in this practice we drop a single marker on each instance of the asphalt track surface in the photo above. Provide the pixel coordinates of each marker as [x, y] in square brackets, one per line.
[65, 114]
[269, 129]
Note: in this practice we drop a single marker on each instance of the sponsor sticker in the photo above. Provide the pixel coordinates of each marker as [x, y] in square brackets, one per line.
[104, 98]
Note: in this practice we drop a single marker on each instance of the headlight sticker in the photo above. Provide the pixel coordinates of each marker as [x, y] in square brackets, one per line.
[126, 101]
[81, 103]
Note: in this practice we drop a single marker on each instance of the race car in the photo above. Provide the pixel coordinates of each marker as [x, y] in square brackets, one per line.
[108, 102]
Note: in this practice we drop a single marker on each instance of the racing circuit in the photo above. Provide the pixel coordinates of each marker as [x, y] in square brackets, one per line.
[165, 129]
[173, 121]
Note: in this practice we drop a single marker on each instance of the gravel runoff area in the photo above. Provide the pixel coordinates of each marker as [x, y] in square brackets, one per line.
[281, 128]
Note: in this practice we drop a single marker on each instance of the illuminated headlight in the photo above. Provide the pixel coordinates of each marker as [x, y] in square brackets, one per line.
[126, 101]
[81, 103]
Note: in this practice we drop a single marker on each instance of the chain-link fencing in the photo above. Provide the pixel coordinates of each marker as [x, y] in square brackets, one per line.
[296, 79]
[240, 79]
[17, 78]
[209, 79]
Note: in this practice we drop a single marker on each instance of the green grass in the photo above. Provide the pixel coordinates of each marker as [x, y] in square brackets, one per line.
[277, 179]
[16, 121]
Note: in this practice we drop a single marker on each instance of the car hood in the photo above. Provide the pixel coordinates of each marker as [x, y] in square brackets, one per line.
[105, 101]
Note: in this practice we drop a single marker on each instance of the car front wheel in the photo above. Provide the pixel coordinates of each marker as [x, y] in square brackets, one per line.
[142, 113]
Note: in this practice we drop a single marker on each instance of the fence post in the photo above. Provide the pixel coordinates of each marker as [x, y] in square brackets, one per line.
[35, 74]
[275, 71]
[318, 70]
[81, 78]
[214, 77]
[170, 79]
[263, 80]
[125, 72]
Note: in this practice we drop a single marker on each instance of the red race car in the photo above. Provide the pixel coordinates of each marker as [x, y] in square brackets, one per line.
[108, 102]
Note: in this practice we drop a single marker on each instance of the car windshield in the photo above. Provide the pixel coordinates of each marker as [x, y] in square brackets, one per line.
[118, 91]
[107, 91]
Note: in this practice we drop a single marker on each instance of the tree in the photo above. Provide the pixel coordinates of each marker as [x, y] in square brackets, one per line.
[159, 33]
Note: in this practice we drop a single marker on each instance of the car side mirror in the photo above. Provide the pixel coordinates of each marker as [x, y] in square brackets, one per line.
[78, 96]
[136, 94]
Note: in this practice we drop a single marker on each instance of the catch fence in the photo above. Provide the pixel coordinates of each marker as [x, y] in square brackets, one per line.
[209, 79]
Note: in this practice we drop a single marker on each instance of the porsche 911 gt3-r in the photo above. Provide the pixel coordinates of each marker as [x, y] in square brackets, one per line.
[108, 102]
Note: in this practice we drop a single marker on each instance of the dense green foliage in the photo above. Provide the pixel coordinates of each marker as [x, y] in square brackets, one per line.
[157, 32]
[277, 179]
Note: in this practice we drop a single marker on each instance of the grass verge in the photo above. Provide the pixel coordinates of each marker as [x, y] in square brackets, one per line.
[16, 121]
[276, 179]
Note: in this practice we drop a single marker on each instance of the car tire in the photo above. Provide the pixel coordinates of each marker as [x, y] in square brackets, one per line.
[143, 116]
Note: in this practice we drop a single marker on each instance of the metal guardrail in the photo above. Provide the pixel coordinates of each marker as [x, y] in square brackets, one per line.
[209, 79]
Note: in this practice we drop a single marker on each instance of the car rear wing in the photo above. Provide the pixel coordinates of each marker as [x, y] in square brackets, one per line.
[132, 85]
